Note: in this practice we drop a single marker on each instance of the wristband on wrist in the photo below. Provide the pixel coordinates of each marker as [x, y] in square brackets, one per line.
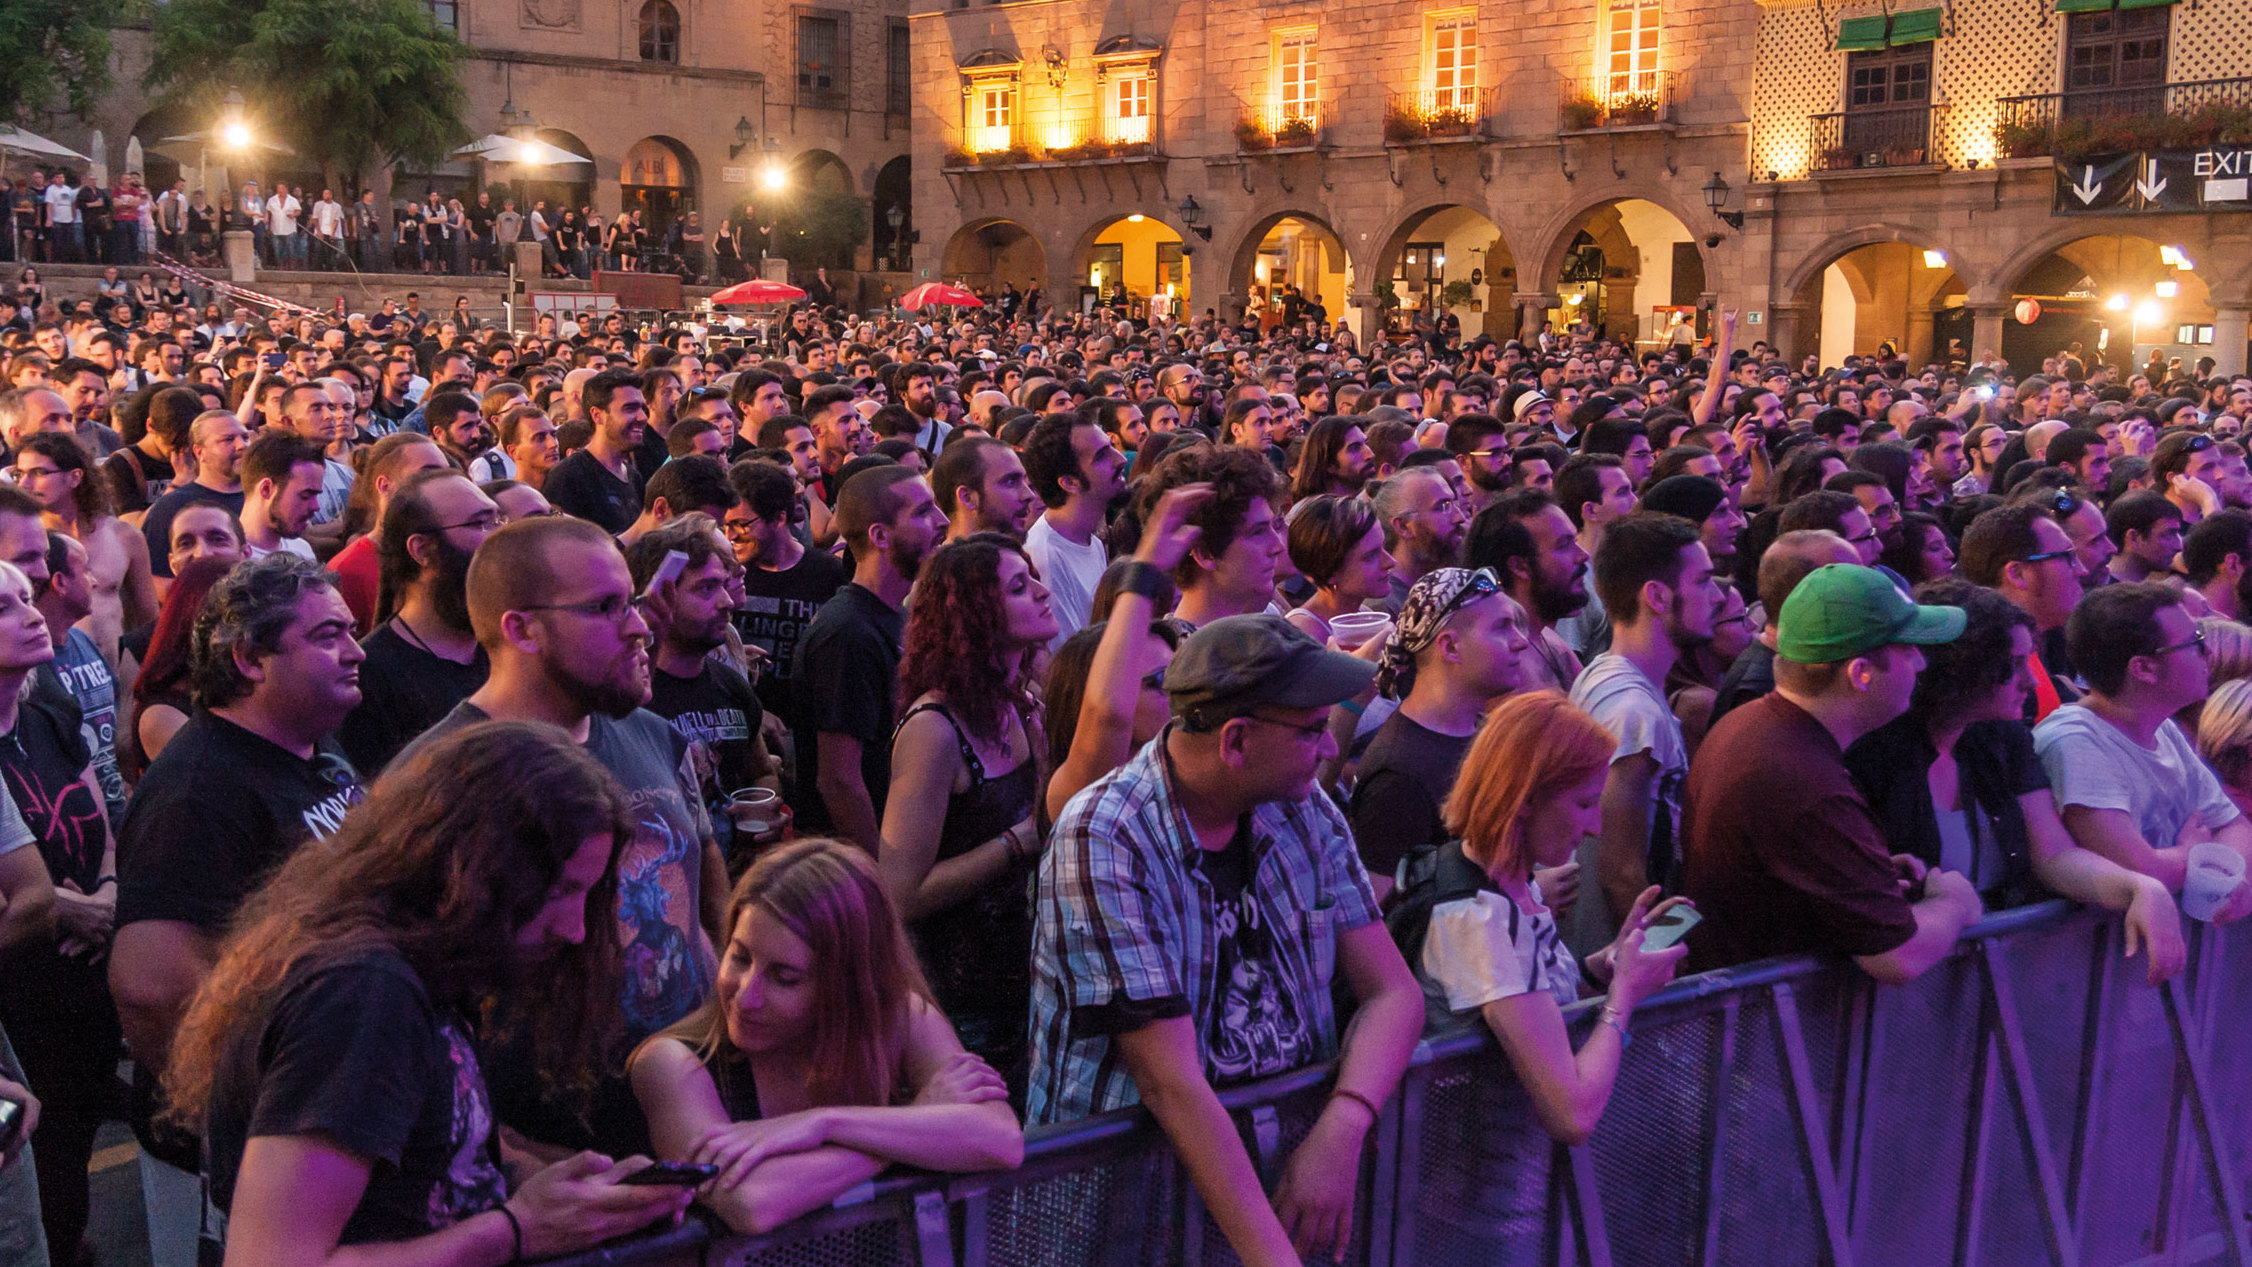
[515, 1232]
[107, 879]
[1613, 1017]
[1345, 1093]
[1144, 579]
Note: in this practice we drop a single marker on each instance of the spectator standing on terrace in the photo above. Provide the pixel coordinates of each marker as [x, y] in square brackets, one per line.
[1194, 909]
[1784, 855]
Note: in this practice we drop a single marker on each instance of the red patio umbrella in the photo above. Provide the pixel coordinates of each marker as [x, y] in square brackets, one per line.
[759, 291]
[939, 293]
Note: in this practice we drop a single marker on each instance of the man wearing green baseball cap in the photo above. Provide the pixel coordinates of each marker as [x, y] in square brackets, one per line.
[1783, 855]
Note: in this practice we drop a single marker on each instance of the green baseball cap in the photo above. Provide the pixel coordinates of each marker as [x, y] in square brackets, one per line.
[1843, 610]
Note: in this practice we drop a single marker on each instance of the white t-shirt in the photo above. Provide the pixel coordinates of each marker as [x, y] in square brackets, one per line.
[328, 218]
[62, 204]
[1482, 948]
[2093, 763]
[282, 211]
[1072, 573]
[1634, 708]
[15, 833]
[289, 545]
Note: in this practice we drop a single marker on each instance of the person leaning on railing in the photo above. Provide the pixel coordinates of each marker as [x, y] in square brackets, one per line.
[820, 1058]
[1476, 928]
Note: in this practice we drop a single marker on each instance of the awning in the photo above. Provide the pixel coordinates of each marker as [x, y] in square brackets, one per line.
[1861, 35]
[1916, 26]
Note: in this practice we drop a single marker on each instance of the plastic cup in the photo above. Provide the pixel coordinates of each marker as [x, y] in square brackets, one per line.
[2215, 871]
[1354, 630]
[756, 810]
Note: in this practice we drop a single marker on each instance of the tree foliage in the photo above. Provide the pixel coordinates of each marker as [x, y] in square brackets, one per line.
[818, 229]
[57, 56]
[345, 83]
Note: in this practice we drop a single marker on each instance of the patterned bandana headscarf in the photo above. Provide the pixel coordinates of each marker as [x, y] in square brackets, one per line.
[1430, 603]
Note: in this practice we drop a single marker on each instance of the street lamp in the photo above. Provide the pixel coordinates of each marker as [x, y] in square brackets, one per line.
[1716, 197]
[234, 132]
[745, 134]
[894, 216]
[1192, 215]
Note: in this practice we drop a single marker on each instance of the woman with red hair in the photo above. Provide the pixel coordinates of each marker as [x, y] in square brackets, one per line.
[959, 835]
[161, 703]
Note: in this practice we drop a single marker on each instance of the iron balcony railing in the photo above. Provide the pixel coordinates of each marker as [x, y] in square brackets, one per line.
[1874, 136]
[1275, 127]
[1435, 114]
[1621, 101]
[2029, 1100]
[2194, 106]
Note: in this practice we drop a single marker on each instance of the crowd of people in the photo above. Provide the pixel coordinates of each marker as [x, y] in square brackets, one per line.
[59, 215]
[457, 767]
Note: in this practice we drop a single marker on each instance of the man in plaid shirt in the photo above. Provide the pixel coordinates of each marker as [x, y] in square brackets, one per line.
[1194, 906]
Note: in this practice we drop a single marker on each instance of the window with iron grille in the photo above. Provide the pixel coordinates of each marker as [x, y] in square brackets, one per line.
[822, 44]
[660, 32]
[2115, 61]
[896, 70]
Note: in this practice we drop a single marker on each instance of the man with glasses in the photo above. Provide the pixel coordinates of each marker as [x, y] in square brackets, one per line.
[1196, 909]
[2129, 784]
[1660, 588]
[1460, 645]
[2022, 553]
[423, 658]
[555, 611]
[784, 583]
[1424, 526]
[1826, 511]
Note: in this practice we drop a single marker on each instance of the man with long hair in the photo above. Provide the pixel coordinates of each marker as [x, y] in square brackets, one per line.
[332, 1061]
[1335, 459]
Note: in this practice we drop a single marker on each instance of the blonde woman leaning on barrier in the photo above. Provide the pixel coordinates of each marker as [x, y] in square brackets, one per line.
[820, 1059]
[1472, 923]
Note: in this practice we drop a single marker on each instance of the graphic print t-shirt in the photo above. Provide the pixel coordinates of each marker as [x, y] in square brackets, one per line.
[80, 665]
[358, 1050]
[43, 757]
[1257, 1025]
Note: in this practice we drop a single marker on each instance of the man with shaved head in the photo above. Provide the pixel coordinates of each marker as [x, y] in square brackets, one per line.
[554, 611]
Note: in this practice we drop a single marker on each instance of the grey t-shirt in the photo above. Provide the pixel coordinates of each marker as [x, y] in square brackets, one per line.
[1632, 707]
[2093, 763]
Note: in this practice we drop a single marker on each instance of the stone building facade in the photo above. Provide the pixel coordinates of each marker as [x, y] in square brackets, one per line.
[1846, 177]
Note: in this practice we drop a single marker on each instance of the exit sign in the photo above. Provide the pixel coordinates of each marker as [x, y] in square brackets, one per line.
[1755, 318]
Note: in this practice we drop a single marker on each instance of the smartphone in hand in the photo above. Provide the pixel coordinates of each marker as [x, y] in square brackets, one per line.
[677, 1174]
[1670, 926]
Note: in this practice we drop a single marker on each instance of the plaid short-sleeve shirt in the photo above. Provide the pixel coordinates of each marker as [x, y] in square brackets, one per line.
[1125, 915]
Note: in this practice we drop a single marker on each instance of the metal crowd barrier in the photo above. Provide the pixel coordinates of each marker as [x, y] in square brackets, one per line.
[2030, 1100]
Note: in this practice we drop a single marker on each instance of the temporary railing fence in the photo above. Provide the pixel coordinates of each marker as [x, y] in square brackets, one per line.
[2030, 1100]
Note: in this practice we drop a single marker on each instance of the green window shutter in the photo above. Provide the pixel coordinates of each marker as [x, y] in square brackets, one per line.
[2084, 6]
[2143, 4]
[1917, 26]
[1859, 35]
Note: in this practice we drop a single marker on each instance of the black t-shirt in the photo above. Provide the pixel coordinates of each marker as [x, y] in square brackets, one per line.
[777, 607]
[580, 485]
[135, 480]
[1255, 1027]
[719, 714]
[847, 684]
[157, 527]
[43, 758]
[1404, 778]
[653, 452]
[217, 811]
[357, 1050]
[404, 690]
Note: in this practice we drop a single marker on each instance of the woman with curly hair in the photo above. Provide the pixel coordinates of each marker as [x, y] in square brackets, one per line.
[959, 834]
[820, 1059]
[331, 1059]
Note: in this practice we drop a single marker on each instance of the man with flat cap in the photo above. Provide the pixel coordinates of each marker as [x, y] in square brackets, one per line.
[1194, 907]
[1783, 854]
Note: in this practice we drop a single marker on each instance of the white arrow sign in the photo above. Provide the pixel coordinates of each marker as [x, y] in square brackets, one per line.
[2088, 187]
[2150, 184]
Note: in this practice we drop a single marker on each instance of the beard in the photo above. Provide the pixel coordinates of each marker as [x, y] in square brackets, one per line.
[611, 698]
[907, 558]
[1554, 600]
[449, 595]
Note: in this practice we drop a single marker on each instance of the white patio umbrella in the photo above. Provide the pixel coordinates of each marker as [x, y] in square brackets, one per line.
[496, 148]
[15, 138]
[190, 145]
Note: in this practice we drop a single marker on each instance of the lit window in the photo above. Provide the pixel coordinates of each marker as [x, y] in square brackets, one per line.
[993, 108]
[1130, 107]
[1632, 61]
[1298, 85]
[1454, 62]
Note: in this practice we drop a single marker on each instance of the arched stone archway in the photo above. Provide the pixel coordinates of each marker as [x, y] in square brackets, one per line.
[1290, 249]
[819, 171]
[658, 178]
[1876, 285]
[1431, 248]
[894, 191]
[2114, 295]
[985, 254]
[1142, 254]
[1620, 258]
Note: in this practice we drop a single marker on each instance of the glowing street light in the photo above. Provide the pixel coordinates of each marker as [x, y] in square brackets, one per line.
[1935, 259]
[2149, 313]
[2117, 303]
[772, 176]
[234, 133]
[2167, 290]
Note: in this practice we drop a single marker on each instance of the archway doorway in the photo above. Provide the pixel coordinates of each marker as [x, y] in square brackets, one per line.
[1898, 295]
[658, 179]
[894, 219]
[2118, 299]
[1450, 260]
[986, 256]
[1294, 258]
[1622, 269]
[559, 184]
[1136, 264]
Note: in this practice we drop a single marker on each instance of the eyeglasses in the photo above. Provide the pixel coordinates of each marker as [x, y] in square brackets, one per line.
[612, 609]
[737, 529]
[2196, 640]
[1312, 731]
[485, 522]
[2046, 555]
[1154, 680]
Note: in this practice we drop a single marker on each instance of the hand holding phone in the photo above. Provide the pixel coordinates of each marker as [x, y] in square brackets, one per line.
[667, 572]
[1669, 926]
[672, 1174]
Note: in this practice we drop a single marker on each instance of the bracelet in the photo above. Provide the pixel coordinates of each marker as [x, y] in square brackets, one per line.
[1353, 706]
[1346, 1093]
[1612, 1017]
[107, 879]
[515, 1231]
[1144, 579]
